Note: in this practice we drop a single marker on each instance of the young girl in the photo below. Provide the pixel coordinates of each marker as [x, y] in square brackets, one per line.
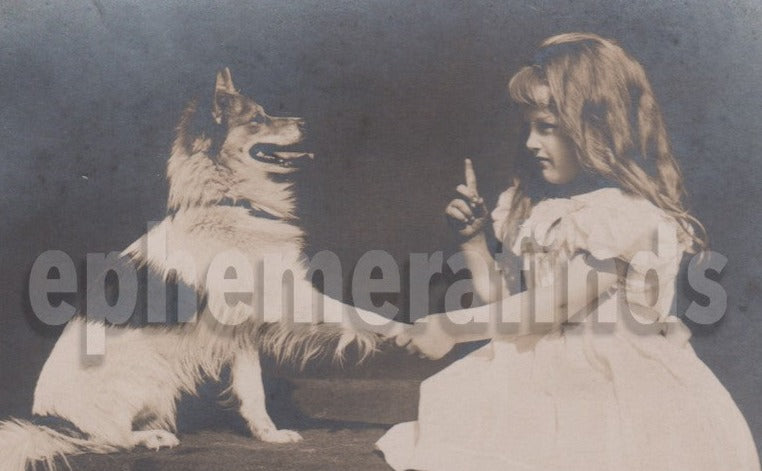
[597, 376]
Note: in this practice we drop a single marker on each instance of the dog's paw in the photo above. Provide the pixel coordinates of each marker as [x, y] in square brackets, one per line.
[155, 439]
[279, 436]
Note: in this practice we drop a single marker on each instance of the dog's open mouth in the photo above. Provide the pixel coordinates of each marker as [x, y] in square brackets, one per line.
[272, 154]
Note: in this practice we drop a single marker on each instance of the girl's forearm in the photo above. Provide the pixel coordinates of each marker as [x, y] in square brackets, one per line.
[485, 322]
[487, 280]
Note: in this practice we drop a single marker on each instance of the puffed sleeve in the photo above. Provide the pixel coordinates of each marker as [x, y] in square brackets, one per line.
[606, 224]
[609, 224]
[501, 212]
[613, 224]
[649, 242]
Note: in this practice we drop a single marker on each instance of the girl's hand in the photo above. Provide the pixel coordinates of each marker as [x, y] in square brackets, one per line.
[428, 338]
[467, 215]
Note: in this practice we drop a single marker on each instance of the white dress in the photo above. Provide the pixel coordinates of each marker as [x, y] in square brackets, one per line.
[578, 398]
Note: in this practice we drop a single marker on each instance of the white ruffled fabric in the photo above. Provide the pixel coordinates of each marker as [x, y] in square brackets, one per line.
[582, 397]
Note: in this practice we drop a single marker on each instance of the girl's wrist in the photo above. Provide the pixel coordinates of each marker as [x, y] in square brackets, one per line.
[476, 240]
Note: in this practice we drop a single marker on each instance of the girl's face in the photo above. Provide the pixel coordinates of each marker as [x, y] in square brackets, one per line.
[553, 150]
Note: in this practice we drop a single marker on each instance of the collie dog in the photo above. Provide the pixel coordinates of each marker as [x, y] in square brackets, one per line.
[230, 200]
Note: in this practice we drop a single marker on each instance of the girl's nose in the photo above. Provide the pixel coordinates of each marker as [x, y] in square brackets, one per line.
[533, 143]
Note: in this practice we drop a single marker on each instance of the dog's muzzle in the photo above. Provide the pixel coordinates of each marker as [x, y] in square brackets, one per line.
[271, 154]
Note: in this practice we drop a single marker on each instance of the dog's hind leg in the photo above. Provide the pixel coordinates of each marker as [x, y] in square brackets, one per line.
[247, 385]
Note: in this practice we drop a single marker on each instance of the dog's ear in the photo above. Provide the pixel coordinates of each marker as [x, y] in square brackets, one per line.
[224, 94]
[225, 81]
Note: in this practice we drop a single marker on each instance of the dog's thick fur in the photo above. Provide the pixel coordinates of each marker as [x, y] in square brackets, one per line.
[222, 197]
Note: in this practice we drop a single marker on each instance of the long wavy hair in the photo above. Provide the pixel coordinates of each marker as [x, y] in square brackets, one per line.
[604, 103]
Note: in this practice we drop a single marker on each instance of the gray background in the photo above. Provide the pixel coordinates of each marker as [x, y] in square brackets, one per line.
[396, 94]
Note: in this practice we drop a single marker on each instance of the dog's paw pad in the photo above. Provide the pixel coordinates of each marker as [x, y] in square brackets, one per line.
[156, 439]
[280, 436]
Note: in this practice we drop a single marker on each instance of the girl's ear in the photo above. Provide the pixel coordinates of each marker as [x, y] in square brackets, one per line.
[224, 95]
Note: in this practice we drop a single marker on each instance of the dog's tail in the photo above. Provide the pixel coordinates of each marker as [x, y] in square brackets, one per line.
[340, 334]
[24, 444]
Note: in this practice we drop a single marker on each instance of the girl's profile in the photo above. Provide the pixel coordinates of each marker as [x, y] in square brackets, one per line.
[567, 394]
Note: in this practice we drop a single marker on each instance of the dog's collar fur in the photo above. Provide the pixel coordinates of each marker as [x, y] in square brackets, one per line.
[256, 212]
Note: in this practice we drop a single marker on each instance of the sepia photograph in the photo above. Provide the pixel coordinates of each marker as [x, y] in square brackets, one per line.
[381, 235]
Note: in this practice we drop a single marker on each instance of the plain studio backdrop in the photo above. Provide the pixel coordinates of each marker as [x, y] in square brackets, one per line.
[396, 94]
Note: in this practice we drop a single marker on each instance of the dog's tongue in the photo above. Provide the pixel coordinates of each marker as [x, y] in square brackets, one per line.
[293, 155]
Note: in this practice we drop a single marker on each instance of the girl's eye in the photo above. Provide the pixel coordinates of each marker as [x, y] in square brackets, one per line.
[258, 119]
[545, 128]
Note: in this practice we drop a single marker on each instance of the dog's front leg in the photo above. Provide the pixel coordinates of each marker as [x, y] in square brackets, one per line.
[247, 385]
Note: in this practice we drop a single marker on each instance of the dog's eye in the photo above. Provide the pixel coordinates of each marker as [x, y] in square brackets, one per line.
[259, 119]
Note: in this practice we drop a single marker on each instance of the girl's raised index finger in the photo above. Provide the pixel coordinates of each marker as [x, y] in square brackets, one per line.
[470, 176]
